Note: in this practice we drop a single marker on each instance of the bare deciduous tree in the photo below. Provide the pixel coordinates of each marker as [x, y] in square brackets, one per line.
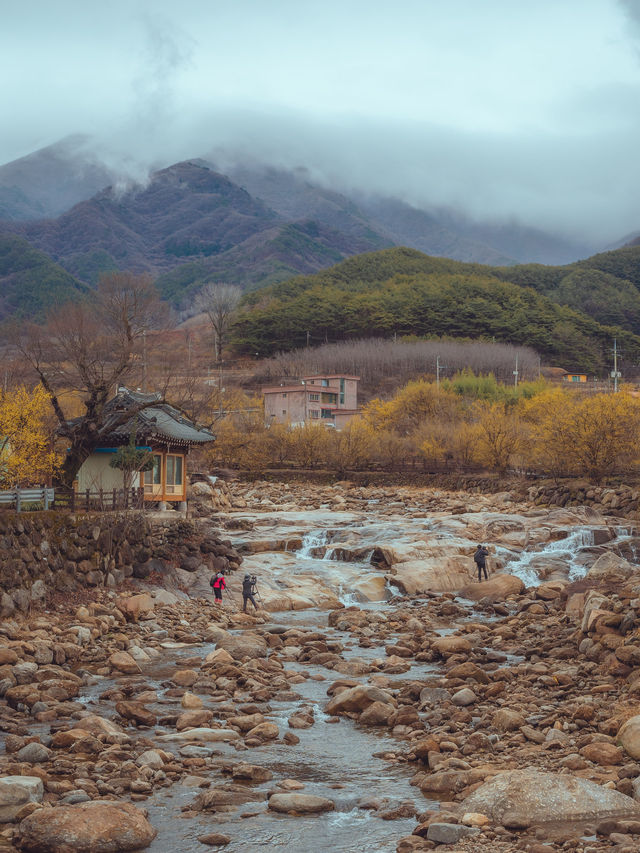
[90, 347]
[219, 301]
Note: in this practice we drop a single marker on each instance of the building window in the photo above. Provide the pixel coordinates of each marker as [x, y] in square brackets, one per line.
[284, 395]
[314, 397]
[153, 479]
[329, 398]
[342, 392]
[326, 413]
[325, 382]
[175, 480]
[314, 413]
[284, 411]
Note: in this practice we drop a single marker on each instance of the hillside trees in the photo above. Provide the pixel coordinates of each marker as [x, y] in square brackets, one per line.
[87, 349]
[442, 299]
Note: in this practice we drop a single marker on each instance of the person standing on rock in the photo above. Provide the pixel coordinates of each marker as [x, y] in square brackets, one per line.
[218, 583]
[248, 592]
[480, 559]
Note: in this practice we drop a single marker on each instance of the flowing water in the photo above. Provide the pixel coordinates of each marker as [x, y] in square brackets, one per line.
[337, 760]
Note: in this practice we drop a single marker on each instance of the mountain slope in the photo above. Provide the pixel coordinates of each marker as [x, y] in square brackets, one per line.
[402, 292]
[30, 282]
[48, 182]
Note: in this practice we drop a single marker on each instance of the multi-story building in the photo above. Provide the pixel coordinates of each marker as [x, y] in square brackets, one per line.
[330, 399]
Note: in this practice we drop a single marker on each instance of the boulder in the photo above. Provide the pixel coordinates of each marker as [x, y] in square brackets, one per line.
[464, 697]
[377, 714]
[123, 662]
[497, 588]
[245, 645]
[300, 804]
[447, 646]
[605, 754]
[629, 737]
[193, 719]
[522, 798]
[264, 731]
[16, 792]
[357, 699]
[94, 827]
[203, 734]
[449, 833]
[135, 606]
[136, 712]
[610, 568]
[507, 720]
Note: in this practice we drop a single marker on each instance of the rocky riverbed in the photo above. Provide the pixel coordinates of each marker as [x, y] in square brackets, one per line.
[379, 700]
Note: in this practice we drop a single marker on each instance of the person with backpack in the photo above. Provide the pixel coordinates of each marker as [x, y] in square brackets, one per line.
[480, 559]
[218, 583]
[248, 592]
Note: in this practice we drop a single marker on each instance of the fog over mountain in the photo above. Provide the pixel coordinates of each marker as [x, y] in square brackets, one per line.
[505, 113]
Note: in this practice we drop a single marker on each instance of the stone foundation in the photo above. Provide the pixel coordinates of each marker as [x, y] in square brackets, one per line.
[52, 551]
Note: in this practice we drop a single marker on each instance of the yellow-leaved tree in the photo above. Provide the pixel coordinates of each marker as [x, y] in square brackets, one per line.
[27, 457]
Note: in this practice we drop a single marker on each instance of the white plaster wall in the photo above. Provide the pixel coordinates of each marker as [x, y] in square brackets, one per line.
[96, 474]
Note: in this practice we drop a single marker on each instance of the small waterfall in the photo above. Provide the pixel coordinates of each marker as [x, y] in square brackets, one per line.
[312, 542]
[567, 549]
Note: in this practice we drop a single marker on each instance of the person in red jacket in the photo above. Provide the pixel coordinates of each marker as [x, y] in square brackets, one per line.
[218, 583]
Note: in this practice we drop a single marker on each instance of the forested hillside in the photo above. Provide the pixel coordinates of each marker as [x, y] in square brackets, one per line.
[402, 292]
[30, 281]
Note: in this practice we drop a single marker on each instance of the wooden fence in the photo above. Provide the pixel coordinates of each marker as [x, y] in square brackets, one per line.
[101, 500]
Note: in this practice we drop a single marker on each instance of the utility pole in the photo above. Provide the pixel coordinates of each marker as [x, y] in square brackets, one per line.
[308, 338]
[515, 372]
[439, 367]
[144, 359]
[615, 373]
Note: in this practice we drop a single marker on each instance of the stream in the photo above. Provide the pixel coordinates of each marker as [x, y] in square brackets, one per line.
[333, 759]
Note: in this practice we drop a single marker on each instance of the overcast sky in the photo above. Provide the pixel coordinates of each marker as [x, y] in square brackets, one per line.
[505, 108]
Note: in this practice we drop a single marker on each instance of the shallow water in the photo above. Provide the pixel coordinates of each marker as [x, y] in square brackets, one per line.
[329, 754]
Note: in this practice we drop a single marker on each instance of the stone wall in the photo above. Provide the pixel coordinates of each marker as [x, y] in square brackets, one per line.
[51, 551]
[621, 500]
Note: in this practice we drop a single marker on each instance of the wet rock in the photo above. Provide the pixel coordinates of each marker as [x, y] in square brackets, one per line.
[123, 662]
[251, 773]
[193, 719]
[531, 797]
[214, 839]
[33, 753]
[449, 833]
[150, 758]
[246, 645]
[95, 827]
[184, 677]
[15, 792]
[497, 588]
[264, 731]
[191, 702]
[137, 713]
[447, 646]
[377, 714]
[202, 734]
[357, 699]
[301, 804]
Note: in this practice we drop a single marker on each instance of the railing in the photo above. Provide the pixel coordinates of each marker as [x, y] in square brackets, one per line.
[23, 499]
[100, 500]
